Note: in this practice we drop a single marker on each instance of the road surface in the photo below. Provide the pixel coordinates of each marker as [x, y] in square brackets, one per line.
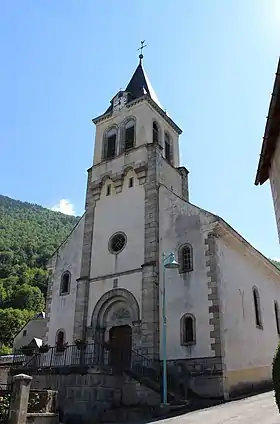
[256, 409]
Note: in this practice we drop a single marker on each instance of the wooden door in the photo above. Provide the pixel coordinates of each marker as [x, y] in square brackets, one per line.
[120, 342]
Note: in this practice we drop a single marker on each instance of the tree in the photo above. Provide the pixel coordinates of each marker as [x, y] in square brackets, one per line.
[29, 234]
[28, 297]
[276, 376]
[11, 321]
[276, 263]
[3, 294]
[37, 277]
[5, 350]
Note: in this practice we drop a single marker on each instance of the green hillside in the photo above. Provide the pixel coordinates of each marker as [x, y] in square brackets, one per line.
[29, 234]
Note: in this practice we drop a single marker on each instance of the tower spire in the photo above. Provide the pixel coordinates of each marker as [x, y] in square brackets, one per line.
[141, 50]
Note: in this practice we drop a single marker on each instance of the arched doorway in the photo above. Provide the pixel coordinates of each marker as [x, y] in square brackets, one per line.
[115, 320]
[120, 339]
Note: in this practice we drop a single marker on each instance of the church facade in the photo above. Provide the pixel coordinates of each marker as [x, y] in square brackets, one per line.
[106, 279]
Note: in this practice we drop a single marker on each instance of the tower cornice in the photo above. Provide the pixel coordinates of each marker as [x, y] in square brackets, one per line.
[163, 114]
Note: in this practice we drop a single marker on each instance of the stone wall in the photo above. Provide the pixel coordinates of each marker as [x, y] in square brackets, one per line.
[5, 364]
[87, 397]
[4, 371]
[203, 376]
[42, 419]
[30, 406]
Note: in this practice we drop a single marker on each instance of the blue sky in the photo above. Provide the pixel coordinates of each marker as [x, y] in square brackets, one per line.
[211, 62]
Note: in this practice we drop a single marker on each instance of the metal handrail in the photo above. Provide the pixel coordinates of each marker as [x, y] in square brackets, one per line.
[99, 354]
[65, 356]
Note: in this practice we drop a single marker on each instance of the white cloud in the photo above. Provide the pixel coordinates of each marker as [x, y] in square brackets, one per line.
[64, 206]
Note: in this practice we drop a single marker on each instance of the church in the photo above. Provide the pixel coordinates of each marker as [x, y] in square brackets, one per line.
[107, 279]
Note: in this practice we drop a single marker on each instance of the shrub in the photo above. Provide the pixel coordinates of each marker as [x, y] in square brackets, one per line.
[5, 350]
[4, 407]
[276, 376]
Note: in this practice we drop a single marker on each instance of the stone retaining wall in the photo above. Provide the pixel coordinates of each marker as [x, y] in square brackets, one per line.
[202, 375]
[86, 398]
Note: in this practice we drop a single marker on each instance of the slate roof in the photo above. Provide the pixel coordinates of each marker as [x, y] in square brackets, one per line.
[138, 86]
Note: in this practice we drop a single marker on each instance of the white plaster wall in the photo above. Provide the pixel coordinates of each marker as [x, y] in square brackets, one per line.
[124, 211]
[170, 177]
[246, 346]
[132, 282]
[275, 184]
[63, 307]
[135, 156]
[181, 222]
[34, 328]
[144, 114]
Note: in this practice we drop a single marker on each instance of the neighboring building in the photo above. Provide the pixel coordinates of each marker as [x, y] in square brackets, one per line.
[222, 304]
[269, 163]
[34, 329]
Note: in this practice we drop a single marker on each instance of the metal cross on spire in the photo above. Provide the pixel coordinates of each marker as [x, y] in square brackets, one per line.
[143, 45]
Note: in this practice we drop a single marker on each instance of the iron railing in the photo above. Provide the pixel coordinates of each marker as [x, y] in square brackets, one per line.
[145, 367]
[92, 354]
[98, 354]
[152, 369]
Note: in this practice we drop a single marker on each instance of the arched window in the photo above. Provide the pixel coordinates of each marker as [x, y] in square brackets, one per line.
[257, 307]
[65, 283]
[129, 134]
[60, 341]
[110, 143]
[60, 336]
[185, 258]
[156, 133]
[188, 334]
[276, 310]
[168, 147]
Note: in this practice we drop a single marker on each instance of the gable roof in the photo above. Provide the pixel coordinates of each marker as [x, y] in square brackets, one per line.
[271, 133]
[40, 315]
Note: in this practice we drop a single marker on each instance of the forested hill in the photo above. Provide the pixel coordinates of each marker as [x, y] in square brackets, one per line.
[29, 234]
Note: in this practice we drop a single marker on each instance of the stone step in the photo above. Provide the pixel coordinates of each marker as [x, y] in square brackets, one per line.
[131, 414]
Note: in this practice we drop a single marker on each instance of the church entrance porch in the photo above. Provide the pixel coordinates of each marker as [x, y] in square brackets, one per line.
[116, 323]
[120, 341]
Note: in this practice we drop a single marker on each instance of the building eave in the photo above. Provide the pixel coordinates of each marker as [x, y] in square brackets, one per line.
[224, 229]
[102, 117]
[271, 133]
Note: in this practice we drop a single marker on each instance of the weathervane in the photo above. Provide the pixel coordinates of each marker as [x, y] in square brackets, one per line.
[141, 49]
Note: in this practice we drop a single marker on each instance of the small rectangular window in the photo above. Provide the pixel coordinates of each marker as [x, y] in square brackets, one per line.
[108, 191]
[130, 182]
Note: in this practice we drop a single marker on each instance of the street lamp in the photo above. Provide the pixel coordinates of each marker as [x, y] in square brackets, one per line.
[168, 262]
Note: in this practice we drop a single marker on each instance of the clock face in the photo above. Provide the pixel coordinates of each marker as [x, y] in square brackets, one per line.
[120, 102]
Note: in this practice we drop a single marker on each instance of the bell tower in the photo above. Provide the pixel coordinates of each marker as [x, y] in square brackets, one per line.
[136, 150]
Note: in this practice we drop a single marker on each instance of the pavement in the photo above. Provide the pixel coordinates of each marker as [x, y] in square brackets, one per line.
[255, 409]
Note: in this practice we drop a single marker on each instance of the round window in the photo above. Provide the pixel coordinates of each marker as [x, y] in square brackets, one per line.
[117, 243]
